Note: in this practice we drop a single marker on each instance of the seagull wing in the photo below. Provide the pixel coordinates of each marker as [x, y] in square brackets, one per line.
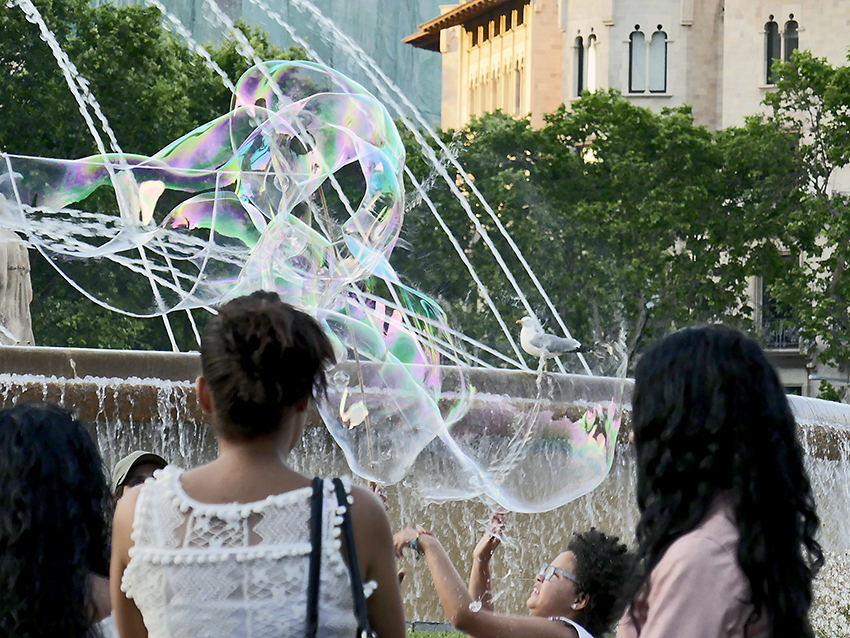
[540, 340]
[555, 345]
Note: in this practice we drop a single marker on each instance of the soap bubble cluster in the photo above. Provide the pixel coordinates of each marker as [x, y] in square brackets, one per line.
[299, 189]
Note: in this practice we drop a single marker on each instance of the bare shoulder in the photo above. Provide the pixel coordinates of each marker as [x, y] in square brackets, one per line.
[366, 501]
[126, 507]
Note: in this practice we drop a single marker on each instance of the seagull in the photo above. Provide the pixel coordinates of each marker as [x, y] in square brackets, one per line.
[541, 345]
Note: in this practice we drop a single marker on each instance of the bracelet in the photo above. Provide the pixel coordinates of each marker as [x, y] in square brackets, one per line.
[414, 545]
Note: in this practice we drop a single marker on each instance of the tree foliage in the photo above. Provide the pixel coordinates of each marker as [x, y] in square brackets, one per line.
[623, 213]
[638, 222]
[811, 108]
[152, 88]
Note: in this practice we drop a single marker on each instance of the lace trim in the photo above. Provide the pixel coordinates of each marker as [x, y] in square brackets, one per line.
[189, 556]
[225, 511]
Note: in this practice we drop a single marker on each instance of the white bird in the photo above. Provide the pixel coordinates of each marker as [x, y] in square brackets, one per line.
[538, 344]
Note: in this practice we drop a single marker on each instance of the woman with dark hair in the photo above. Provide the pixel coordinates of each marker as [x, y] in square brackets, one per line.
[227, 549]
[54, 525]
[726, 539]
[576, 596]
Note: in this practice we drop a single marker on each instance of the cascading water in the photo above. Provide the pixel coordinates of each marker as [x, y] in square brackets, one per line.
[272, 205]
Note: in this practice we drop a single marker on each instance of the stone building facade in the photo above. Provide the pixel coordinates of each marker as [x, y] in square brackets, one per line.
[529, 56]
[496, 55]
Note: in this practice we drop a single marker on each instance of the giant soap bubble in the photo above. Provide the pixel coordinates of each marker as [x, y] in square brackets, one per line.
[299, 189]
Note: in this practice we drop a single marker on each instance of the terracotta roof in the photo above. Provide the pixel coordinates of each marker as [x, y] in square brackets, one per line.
[428, 36]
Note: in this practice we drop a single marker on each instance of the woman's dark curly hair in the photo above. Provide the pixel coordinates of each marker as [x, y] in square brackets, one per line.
[55, 508]
[710, 417]
[602, 565]
[260, 356]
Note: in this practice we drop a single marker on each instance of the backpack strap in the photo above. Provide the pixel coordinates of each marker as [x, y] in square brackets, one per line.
[360, 611]
[312, 625]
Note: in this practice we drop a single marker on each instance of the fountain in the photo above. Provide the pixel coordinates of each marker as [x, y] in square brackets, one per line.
[298, 189]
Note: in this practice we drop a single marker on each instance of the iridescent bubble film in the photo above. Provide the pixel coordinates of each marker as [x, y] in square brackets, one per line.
[299, 189]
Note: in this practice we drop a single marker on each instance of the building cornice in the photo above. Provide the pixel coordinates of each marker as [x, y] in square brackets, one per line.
[428, 36]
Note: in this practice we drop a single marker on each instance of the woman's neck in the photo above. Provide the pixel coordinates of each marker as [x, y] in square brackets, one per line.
[247, 470]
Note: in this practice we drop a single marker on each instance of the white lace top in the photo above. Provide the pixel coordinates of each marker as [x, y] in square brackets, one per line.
[241, 570]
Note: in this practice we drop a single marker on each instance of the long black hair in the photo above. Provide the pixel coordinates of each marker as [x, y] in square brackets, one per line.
[710, 417]
[55, 508]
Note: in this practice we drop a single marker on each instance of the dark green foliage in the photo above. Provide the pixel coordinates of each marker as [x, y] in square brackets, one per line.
[811, 107]
[153, 89]
[622, 213]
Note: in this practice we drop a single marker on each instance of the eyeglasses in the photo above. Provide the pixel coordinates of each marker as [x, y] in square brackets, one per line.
[547, 571]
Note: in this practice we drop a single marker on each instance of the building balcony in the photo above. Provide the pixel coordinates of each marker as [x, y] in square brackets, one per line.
[781, 334]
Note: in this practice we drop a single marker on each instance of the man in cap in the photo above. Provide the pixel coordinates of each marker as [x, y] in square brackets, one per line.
[134, 469]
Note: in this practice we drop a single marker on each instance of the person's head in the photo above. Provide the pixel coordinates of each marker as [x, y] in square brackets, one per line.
[584, 582]
[134, 469]
[710, 416]
[261, 358]
[54, 522]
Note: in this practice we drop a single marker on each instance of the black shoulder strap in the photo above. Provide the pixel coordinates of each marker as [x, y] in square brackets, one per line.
[315, 559]
[360, 611]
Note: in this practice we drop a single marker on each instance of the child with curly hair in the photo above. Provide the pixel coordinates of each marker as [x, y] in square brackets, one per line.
[575, 596]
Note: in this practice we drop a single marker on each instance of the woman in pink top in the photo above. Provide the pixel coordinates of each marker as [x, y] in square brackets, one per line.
[726, 540]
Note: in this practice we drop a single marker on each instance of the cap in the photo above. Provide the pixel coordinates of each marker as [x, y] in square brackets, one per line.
[125, 465]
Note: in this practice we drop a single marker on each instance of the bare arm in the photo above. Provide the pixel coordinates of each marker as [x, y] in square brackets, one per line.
[128, 618]
[480, 580]
[376, 556]
[479, 575]
[456, 600]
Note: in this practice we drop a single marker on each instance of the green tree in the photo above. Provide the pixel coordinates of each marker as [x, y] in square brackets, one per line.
[811, 110]
[624, 214]
[153, 89]
[502, 157]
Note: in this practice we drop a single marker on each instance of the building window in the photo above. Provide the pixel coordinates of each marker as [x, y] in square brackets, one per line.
[777, 319]
[791, 39]
[517, 90]
[637, 61]
[658, 62]
[773, 45]
[591, 63]
[579, 58]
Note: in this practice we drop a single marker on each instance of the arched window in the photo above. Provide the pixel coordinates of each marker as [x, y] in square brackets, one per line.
[579, 59]
[772, 48]
[792, 38]
[658, 62]
[637, 61]
[591, 63]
